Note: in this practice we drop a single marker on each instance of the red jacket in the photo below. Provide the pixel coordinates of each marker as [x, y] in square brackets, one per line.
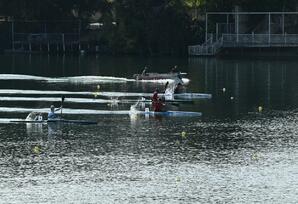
[158, 106]
[155, 96]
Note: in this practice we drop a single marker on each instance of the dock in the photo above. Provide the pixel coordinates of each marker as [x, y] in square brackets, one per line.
[272, 30]
[34, 36]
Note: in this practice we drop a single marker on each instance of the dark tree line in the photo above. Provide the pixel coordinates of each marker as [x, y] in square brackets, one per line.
[148, 27]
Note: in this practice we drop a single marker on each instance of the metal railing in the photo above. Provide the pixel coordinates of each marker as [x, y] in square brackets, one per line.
[46, 38]
[212, 47]
[260, 40]
[208, 48]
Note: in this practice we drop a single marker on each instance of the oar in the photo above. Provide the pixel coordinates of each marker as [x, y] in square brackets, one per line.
[171, 102]
[62, 100]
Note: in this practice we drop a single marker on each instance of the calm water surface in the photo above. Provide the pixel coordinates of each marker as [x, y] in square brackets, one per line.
[232, 154]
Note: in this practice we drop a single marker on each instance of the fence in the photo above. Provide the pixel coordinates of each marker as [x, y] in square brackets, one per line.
[260, 40]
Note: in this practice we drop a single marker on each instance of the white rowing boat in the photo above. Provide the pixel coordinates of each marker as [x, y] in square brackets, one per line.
[64, 121]
[154, 76]
[169, 113]
[85, 100]
[99, 93]
[67, 111]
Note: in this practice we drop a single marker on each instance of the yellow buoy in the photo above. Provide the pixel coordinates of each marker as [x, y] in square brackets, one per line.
[223, 89]
[95, 94]
[183, 134]
[260, 109]
[36, 150]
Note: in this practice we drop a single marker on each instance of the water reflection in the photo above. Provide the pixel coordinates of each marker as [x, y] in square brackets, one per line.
[247, 83]
[191, 160]
[55, 129]
[33, 128]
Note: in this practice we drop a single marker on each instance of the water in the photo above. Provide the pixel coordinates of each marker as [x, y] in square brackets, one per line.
[232, 154]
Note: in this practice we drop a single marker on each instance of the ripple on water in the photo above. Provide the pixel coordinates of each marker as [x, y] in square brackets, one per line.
[151, 161]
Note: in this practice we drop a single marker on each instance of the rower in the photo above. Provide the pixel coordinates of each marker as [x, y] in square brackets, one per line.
[166, 86]
[157, 104]
[144, 72]
[155, 95]
[52, 114]
[174, 69]
[179, 84]
[32, 116]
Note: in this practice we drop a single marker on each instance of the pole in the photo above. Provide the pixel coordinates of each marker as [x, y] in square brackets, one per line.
[12, 34]
[62, 100]
[216, 31]
[283, 23]
[206, 27]
[227, 26]
[63, 41]
[237, 26]
[269, 27]
[79, 35]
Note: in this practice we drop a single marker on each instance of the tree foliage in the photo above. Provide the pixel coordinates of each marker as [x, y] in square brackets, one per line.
[142, 27]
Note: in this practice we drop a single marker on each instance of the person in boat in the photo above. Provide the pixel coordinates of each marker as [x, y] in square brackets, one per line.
[52, 114]
[179, 84]
[33, 116]
[166, 86]
[157, 104]
[144, 72]
[155, 96]
[174, 69]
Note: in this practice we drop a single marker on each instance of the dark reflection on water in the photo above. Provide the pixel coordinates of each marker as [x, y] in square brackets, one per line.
[233, 154]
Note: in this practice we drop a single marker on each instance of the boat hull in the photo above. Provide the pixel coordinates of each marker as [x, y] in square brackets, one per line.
[168, 113]
[155, 76]
[53, 121]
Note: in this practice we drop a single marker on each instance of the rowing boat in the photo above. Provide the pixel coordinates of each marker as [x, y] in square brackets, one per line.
[54, 121]
[88, 100]
[155, 76]
[189, 96]
[100, 93]
[68, 111]
[168, 113]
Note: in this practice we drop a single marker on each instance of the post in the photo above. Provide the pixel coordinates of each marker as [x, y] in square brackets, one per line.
[227, 30]
[283, 23]
[79, 35]
[269, 82]
[63, 42]
[30, 47]
[216, 31]
[269, 28]
[12, 34]
[237, 27]
[63, 64]
[206, 27]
